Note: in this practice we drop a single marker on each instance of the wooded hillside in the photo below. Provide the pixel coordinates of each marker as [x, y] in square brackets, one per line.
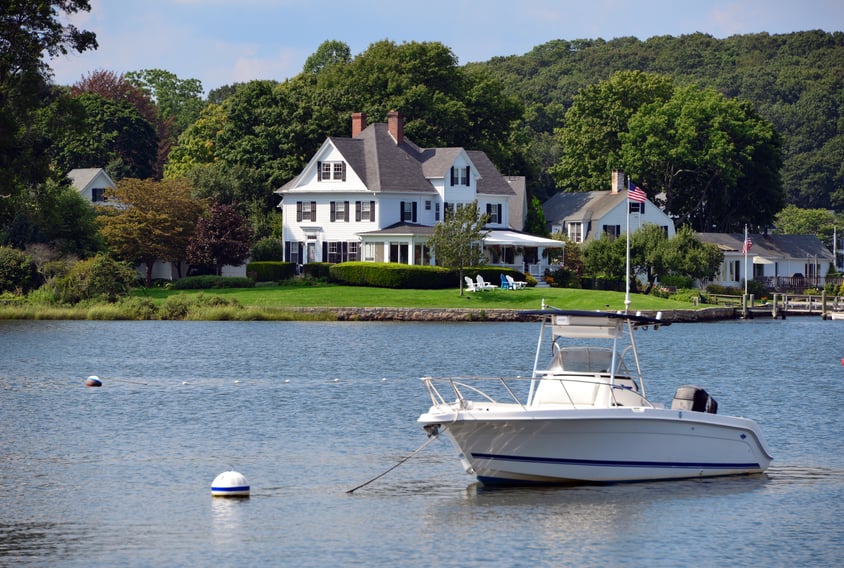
[795, 80]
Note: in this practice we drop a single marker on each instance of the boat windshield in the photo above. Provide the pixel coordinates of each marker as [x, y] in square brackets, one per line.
[584, 360]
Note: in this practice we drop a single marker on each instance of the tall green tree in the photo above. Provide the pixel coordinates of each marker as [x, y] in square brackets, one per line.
[456, 242]
[717, 161]
[30, 32]
[590, 142]
[133, 159]
[113, 135]
[793, 220]
[179, 101]
[154, 220]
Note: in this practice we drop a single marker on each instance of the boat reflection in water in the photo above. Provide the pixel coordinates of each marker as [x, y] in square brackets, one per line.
[586, 418]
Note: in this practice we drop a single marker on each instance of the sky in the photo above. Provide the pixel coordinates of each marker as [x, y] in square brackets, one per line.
[221, 42]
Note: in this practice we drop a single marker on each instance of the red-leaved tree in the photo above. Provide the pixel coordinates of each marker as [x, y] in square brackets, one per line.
[222, 237]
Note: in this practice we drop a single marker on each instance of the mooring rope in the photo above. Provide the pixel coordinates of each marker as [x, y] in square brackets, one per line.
[433, 434]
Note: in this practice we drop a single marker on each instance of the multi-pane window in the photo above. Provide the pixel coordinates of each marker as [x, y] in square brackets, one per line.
[575, 231]
[613, 231]
[364, 211]
[306, 210]
[408, 211]
[339, 211]
[332, 171]
[494, 212]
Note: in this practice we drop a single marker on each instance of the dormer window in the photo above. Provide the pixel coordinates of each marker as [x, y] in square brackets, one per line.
[331, 171]
[459, 176]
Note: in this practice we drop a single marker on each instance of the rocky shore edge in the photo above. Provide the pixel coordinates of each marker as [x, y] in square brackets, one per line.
[499, 315]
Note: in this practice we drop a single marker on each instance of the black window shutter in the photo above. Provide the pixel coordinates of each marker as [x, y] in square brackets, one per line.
[452, 175]
[319, 171]
[301, 253]
[325, 252]
[344, 173]
[298, 210]
[500, 218]
[372, 211]
[287, 251]
[618, 230]
[489, 209]
[467, 175]
[344, 247]
[313, 210]
[401, 211]
[357, 210]
[414, 211]
[346, 211]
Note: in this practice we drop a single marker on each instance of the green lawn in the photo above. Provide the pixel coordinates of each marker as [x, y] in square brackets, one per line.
[305, 294]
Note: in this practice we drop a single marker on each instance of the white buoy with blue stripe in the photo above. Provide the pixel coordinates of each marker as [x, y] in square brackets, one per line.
[230, 484]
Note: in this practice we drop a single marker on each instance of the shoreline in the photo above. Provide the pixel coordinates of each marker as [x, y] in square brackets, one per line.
[498, 315]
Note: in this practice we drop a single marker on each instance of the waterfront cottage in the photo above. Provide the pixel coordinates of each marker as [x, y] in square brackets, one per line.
[377, 196]
[581, 216]
[780, 262]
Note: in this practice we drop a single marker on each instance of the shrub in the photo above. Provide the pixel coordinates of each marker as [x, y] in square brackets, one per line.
[270, 271]
[267, 249]
[18, 272]
[100, 277]
[209, 281]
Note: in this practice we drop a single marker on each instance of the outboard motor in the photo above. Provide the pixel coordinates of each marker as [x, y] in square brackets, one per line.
[690, 397]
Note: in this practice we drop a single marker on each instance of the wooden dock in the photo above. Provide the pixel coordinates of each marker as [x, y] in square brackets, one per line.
[783, 305]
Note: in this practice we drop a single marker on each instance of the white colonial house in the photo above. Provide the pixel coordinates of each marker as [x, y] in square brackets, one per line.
[587, 215]
[376, 197]
[778, 261]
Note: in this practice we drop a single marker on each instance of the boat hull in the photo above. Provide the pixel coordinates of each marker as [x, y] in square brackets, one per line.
[602, 445]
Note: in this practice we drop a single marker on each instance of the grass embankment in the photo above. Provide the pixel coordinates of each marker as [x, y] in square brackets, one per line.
[282, 302]
[336, 296]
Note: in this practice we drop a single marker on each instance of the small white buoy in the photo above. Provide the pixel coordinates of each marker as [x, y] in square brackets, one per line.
[336, 380]
[185, 383]
[229, 484]
[93, 381]
[286, 381]
[237, 381]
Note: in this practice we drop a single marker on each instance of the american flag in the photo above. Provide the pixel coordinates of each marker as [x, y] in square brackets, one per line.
[636, 194]
[747, 245]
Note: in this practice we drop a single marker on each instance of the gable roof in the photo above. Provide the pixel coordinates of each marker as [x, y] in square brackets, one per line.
[581, 206]
[82, 178]
[384, 166]
[771, 246]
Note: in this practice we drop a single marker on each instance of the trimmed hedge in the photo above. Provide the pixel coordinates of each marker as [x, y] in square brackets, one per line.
[319, 270]
[393, 275]
[270, 271]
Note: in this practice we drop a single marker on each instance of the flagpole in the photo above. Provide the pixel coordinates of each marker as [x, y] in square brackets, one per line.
[627, 267]
[745, 247]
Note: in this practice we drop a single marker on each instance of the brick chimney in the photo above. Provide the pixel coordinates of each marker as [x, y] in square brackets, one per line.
[396, 126]
[618, 181]
[358, 123]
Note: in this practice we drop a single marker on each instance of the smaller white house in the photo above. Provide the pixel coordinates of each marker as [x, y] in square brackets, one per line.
[778, 261]
[581, 216]
[91, 183]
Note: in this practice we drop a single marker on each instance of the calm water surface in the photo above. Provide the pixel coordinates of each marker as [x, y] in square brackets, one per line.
[121, 475]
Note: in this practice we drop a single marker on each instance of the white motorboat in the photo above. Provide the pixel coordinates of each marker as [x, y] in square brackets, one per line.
[585, 417]
[836, 315]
